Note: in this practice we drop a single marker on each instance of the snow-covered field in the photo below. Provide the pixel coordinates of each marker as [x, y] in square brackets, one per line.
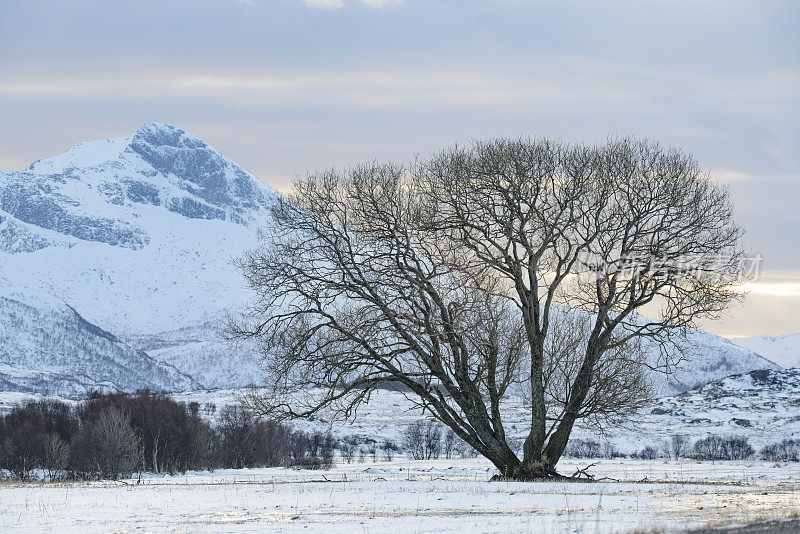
[761, 406]
[413, 496]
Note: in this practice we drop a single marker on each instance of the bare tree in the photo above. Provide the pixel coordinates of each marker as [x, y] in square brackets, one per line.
[451, 277]
[118, 446]
[56, 455]
[389, 448]
[676, 447]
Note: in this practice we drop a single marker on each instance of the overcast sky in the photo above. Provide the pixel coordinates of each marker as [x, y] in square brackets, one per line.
[285, 86]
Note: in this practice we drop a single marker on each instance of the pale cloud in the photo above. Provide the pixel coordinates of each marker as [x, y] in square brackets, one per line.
[380, 4]
[787, 289]
[323, 4]
[357, 89]
[558, 79]
[338, 4]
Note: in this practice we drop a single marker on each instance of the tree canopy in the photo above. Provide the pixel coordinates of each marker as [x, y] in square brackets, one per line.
[506, 265]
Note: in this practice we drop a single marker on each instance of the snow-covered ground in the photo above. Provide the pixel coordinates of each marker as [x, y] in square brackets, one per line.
[412, 496]
[761, 405]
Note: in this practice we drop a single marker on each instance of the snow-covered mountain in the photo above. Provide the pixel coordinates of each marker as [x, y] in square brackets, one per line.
[116, 264]
[761, 404]
[136, 235]
[783, 350]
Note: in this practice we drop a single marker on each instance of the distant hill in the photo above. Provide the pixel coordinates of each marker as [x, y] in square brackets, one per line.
[783, 350]
[47, 347]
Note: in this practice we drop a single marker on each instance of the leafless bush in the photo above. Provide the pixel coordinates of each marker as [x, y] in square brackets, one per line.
[465, 450]
[787, 450]
[647, 453]
[610, 451]
[716, 447]
[118, 447]
[56, 456]
[423, 440]
[583, 448]
[449, 443]
[348, 447]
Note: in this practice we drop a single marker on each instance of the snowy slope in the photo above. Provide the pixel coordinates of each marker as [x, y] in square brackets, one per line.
[763, 405]
[705, 358]
[47, 347]
[783, 350]
[202, 352]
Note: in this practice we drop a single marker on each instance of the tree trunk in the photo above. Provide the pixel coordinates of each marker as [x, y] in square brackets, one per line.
[532, 448]
[580, 388]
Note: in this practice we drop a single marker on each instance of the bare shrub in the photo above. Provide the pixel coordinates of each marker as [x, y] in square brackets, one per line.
[465, 450]
[348, 447]
[449, 443]
[326, 450]
[433, 440]
[676, 447]
[787, 450]
[414, 440]
[647, 453]
[610, 451]
[423, 440]
[56, 456]
[716, 447]
[583, 448]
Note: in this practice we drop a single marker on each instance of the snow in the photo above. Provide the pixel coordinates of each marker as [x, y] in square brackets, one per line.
[751, 405]
[86, 154]
[783, 350]
[412, 496]
[138, 236]
[46, 346]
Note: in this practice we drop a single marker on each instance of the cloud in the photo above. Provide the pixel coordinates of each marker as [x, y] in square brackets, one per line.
[556, 80]
[323, 4]
[354, 89]
[338, 4]
[774, 289]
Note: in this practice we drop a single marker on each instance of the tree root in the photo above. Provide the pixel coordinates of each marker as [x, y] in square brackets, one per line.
[544, 473]
[533, 474]
[583, 473]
